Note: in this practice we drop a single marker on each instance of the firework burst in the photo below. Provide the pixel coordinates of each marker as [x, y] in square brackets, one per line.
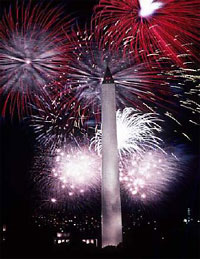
[147, 179]
[33, 52]
[56, 122]
[135, 84]
[77, 170]
[135, 132]
[164, 88]
[146, 26]
[71, 175]
[68, 174]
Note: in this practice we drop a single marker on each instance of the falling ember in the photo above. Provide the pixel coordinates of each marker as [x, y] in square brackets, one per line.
[135, 132]
[146, 179]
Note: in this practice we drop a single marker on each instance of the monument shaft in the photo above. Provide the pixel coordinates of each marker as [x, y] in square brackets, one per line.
[111, 202]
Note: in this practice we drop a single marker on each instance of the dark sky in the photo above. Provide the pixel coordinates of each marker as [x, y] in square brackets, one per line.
[17, 152]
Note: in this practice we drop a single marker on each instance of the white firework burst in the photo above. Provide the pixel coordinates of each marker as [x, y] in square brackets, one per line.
[136, 132]
[148, 7]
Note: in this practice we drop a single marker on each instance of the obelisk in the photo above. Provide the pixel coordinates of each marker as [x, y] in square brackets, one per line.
[111, 201]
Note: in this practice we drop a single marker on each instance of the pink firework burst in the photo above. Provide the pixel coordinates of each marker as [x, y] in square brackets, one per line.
[146, 25]
[68, 176]
[33, 52]
[68, 172]
[78, 170]
[146, 179]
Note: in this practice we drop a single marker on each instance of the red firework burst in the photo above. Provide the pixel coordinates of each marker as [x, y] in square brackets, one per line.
[146, 25]
[33, 52]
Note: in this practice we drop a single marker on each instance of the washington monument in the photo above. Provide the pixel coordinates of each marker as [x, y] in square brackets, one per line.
[111, 201]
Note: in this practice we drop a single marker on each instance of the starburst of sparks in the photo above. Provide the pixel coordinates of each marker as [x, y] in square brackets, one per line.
[164, 88]
[136, 132]
[147, 179]
[33, 52]
[55, 122]
[136, 84]
[73, 174]
[77, 170]
[69, 174]
[146, 25]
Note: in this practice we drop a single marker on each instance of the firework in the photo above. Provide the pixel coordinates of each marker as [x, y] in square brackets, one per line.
[135, 84]
[147, 179]
[186, 89]
[55, 122]
[73, 174]
[147, 25]
[33, 52]
[135, 132]
[77, 170]
[67, 174]
[165, 89]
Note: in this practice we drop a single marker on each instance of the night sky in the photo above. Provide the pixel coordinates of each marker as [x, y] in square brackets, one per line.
[19, 196]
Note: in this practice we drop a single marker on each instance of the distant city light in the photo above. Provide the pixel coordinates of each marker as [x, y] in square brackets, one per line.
[4, 228]
[59, 234]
